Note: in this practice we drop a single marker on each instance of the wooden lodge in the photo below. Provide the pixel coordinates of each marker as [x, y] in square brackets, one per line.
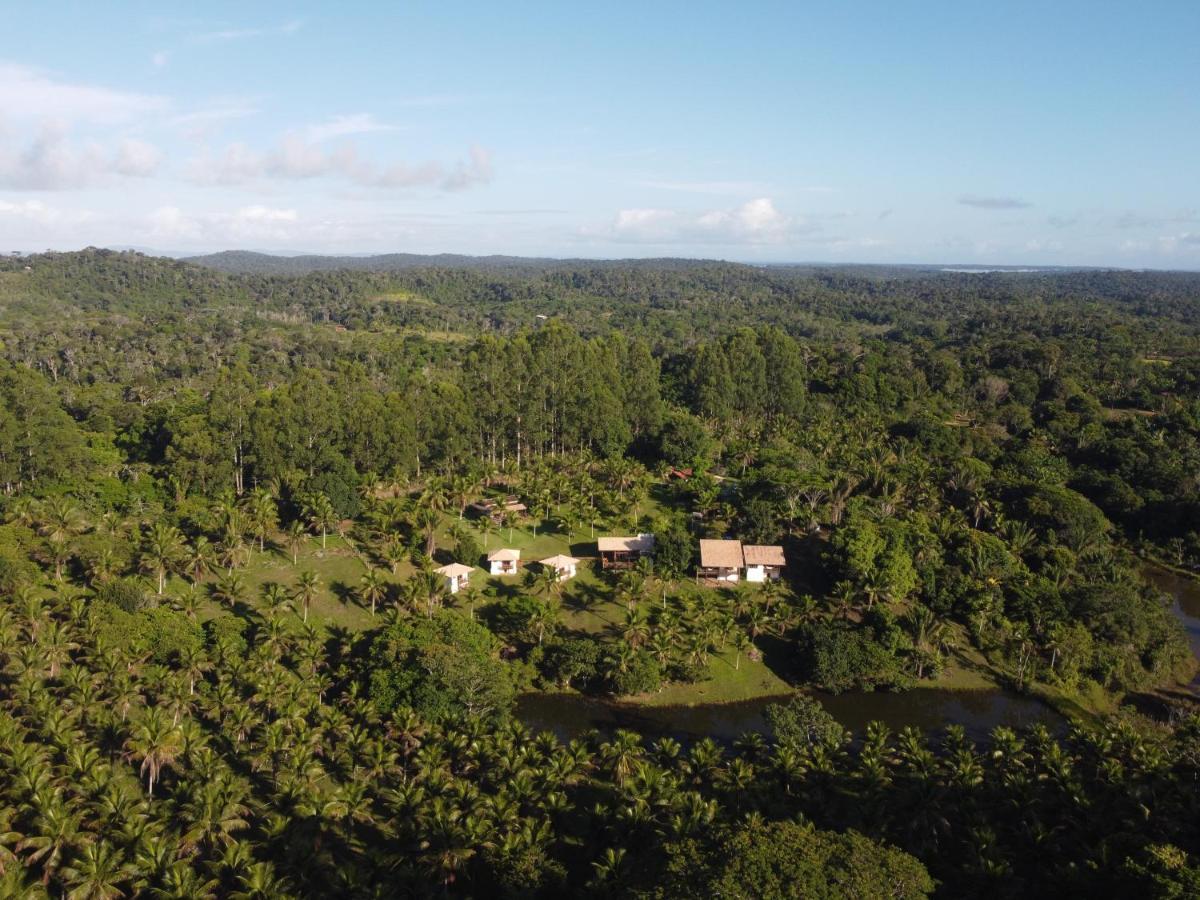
[495, 509]
[624, 552]
[720, 560]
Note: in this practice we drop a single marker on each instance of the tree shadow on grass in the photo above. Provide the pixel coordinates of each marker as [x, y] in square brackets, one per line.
[344, 593]
[781, 656]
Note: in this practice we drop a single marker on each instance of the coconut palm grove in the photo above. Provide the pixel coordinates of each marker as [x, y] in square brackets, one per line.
[297, 562]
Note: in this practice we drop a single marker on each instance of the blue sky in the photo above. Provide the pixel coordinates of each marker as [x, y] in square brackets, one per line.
[963, 132]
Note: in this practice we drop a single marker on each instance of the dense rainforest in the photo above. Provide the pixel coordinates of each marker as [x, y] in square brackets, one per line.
[228, 668]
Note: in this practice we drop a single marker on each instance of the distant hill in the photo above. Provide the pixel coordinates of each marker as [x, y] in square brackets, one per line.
[248, 262]
[251, 263]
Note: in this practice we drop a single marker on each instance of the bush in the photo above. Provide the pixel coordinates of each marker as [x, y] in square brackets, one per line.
[442, 667]
[571, 660]
[128, 594]
[162, 632]
[226, 635]
[467, 550]
[804, 722]
[640, 675]
[839, 657]
[786, 859]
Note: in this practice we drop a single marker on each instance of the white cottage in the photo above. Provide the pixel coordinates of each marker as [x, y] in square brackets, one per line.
[764, 562]
[565, 566]
[504, 561]
[457, 576]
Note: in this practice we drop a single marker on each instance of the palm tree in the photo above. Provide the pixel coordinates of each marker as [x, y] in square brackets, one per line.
[471, 597]
[510, 518]
[156, 742]
[393, 553]
[275, 597]
[263, 513]
[307, 586]
[295, 538]
[487, 525]
[162, 549]
[98, 873]
[372, 587]
[61, 521]
[103, 566]
[636, 628]
[198, 558]
[230, 588]
[426, 522]
[741, 644]
[322, 517]
[433, 589]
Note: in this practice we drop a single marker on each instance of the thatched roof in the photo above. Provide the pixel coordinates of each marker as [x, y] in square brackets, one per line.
[504, 554]
[643, 543]
[559, 562]
[454, 570]
[763, 555]
[721, 554]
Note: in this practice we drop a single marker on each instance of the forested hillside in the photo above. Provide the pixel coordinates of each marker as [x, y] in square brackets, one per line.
[228, 666]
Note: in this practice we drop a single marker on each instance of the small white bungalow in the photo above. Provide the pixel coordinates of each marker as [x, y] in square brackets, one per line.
[457, 576]
[764, 562]
[720, 560]
[565, 566]
[504, 561]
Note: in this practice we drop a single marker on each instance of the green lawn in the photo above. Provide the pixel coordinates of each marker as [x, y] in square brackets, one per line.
[589, 602]
[724, 684]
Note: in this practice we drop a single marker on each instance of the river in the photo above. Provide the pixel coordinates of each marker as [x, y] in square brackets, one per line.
[569, 715]
[1185, 605]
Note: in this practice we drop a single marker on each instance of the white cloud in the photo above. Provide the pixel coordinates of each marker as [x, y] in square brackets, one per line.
[754, 222]
[980, 202]
[238, 34]
[261, 223]
[344, 126]
[734, 188]
[202, 123]
[31, 93]
[298, 158]
[39, 213]
[136, 158]
[52, 162]
[159, 58]
[754, 219]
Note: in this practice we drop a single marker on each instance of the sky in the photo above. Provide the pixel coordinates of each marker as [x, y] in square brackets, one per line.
[1017, 133]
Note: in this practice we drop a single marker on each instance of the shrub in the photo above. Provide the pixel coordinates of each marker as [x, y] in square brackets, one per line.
[804, 722]
[640, 675]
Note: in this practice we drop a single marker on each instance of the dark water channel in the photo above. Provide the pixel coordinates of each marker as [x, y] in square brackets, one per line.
[1185, 593]
[931, 708]
[569, 715]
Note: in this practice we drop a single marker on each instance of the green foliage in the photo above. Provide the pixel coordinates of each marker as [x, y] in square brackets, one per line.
[840, 658]
[128, 594]
[159, 631]
[442, 666]
[802, 722]
[571, 662]
[791, 860]
[674, 548]
[467, 549]
[639, 674]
